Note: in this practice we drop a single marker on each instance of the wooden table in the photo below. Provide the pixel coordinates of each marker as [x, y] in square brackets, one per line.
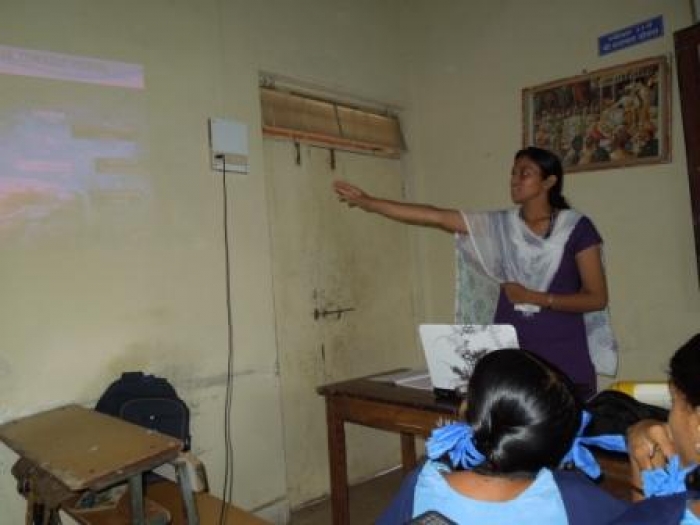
[409, 412]
[85, 450]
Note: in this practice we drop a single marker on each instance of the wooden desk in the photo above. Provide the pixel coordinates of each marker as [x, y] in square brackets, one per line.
[409, 412]
[85, 450]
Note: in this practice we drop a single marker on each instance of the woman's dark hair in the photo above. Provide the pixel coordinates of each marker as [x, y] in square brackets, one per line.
[684, 371]
[549, 164]
[524, 413]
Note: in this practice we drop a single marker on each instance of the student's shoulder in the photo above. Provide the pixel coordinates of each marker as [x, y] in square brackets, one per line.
[586, 503]
[665, 510]
[400, 510]
[575, 480]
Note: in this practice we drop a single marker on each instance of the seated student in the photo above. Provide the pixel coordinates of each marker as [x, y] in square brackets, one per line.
[662, 454]
[497, 467]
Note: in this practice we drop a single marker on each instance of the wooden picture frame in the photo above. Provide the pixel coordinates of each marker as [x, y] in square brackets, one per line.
[609, 118]
[687, 46]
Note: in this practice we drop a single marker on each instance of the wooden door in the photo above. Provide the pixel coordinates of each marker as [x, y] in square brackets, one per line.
[687, 43]
[343, 299]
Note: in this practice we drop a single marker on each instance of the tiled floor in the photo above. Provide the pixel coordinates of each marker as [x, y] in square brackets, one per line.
[367, 501]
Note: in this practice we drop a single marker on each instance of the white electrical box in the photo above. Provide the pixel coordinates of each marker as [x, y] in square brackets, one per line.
[228, 141]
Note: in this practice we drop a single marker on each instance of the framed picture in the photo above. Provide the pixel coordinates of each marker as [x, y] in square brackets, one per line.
[610, 118]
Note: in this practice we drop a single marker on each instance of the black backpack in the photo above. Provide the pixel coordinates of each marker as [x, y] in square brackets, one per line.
[148, 401]
[614, 411]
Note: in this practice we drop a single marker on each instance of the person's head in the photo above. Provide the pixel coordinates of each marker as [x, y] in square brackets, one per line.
[536, 170]
[523, 412]
[684, 418]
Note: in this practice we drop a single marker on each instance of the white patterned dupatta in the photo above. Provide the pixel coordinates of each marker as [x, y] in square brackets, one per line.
[501, 248]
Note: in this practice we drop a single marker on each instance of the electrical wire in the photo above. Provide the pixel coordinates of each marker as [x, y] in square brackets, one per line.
[227, 490]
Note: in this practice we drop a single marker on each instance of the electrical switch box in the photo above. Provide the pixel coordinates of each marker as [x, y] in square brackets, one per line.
[228, 141]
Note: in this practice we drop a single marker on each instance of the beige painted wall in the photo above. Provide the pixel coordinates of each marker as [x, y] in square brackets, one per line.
[79, 306]
[83, 303]
[468, 63]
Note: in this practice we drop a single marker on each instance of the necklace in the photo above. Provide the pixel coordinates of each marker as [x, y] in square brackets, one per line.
[550, 225]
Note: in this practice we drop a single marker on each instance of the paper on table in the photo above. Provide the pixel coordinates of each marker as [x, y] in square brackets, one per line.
[408, 378]
[421, 382]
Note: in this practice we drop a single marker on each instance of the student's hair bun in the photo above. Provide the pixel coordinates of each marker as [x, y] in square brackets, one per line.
[523, 412]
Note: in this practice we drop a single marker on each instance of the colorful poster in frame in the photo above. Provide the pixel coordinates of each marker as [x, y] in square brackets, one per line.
[609, 118]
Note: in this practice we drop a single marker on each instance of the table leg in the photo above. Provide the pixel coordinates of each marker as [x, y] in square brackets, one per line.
[337, 459]
[408, 452]
[183, 477]
[136, 495]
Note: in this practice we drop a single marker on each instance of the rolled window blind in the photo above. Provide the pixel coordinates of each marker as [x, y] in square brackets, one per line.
[330, 124]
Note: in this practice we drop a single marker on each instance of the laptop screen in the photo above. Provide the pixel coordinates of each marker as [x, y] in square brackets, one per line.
[451, 351]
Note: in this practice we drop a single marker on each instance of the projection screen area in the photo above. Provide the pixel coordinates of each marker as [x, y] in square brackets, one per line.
[72, 148]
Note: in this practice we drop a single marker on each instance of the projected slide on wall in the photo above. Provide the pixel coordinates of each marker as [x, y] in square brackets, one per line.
[73, 147]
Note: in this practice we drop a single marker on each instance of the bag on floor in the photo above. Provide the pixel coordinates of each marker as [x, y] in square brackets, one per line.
[148, 401]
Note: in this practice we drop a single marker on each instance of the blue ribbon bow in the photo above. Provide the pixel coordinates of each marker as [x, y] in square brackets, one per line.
[457, 441]
[583, 458]
[663, 481]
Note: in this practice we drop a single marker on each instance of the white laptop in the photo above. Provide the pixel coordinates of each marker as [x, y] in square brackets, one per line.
[451, 352]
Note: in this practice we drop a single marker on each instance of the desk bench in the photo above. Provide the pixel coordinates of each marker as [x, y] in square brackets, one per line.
[73, 449]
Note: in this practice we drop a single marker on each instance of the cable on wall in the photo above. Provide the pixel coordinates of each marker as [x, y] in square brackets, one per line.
[227, 490]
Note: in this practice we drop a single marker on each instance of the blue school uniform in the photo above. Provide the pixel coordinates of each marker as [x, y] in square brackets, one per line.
[583, 502]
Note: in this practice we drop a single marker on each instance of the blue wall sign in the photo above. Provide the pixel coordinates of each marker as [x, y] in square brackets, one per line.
[630, 36]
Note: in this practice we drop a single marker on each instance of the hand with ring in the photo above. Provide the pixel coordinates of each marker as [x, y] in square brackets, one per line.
[650, 444]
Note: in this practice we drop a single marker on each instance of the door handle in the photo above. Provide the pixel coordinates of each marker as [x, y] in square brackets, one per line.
[325, 313]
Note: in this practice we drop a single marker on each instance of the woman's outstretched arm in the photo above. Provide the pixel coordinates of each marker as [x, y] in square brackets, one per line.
[408, 213]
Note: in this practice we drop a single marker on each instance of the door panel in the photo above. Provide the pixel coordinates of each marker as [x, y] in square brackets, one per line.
[687, 45]
[353, 271]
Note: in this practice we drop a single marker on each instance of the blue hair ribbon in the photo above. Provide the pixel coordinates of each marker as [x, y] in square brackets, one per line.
[457, 441]
[666, 480]
[583, 458]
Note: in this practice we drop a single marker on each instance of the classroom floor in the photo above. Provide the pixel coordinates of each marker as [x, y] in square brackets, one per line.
[367, 501]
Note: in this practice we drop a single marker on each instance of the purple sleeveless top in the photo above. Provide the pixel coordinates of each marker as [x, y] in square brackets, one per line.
[559, 337]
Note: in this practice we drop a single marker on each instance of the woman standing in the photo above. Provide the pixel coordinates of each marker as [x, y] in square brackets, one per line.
[537, 266]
